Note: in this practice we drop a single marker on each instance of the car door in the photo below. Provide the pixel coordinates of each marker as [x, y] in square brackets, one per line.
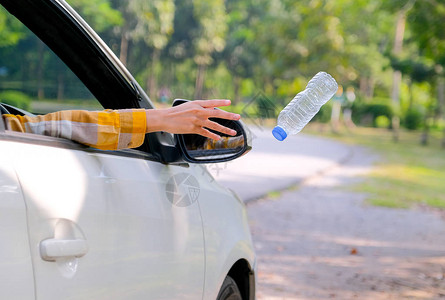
[16, 274]
[101, 224]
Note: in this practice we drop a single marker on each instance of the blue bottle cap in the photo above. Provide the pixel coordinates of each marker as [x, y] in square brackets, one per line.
[279, 133]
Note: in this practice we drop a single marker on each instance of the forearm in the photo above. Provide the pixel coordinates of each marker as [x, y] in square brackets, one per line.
[106, 130]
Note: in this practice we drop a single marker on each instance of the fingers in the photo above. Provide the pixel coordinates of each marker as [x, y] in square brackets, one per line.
[204, 132]
[195, 115]
[218, 127]
[217, 113]
[213, 103]
[221, 114]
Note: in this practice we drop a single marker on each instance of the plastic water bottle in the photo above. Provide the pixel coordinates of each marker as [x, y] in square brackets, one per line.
[305, 105]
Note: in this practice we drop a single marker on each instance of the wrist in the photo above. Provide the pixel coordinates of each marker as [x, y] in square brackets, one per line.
[154, 119]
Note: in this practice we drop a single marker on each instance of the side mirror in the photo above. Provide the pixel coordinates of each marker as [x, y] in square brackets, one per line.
[199, 149]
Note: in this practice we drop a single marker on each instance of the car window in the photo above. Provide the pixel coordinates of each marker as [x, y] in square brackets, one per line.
[32, 77]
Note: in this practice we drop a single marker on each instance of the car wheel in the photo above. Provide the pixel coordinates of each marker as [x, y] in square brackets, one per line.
[229, 290]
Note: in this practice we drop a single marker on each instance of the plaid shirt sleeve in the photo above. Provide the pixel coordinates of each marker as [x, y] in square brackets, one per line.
[105, 130]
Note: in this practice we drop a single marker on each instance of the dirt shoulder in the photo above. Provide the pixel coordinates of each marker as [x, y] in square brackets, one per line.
[322, 241]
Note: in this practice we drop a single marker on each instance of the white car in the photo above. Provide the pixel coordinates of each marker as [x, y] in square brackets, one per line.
[81, 223]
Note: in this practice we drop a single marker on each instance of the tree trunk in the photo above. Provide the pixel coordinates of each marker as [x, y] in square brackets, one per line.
[443, 139]
[123, 56]
[398, 46]
[397, 75]
[200, 81]
[424, 137]
[152, 84]
[60, 86]
[411, 97]
[363, 86]
[441, 97]
[397, 79]
[425, 133]
[236, 87]
[441, 103]
[41, 53]
[371, 87]
[395, 123]
[335, 116]
[367, 87]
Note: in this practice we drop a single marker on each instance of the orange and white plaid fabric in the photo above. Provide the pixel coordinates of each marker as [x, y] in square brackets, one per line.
[106, 130]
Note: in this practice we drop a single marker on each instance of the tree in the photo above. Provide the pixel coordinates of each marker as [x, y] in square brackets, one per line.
[154, 26]
[426, 22]
[11, 30]
[240, 54]
[212, 18]
[397, 75]
[362, 59]
[99, 13]
[431, 42]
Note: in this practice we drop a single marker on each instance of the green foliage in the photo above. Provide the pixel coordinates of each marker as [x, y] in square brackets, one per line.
[98, 13]
[413, 119]
[382, 122]
[219, 82]
[184, 79]
[324, 115]
[417, 71]
[242, 109]
[11, 30]
[367, 113]
[266, 109]
[247, 88]
[154, 21]
[15, 98]
[426, 21]
[212, 17]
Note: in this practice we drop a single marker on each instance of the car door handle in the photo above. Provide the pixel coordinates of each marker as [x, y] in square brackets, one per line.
[51, 249]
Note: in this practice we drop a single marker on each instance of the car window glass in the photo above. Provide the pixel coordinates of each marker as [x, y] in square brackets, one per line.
[32, 77]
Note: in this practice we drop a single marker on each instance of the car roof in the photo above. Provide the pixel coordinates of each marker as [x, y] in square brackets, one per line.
[70, 37]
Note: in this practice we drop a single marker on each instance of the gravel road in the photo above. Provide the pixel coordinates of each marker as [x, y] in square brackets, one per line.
[321, 241]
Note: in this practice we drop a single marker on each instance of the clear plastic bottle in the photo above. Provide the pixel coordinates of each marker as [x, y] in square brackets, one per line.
[305, 105]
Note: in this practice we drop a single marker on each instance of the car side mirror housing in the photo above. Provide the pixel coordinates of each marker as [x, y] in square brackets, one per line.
[199, 149]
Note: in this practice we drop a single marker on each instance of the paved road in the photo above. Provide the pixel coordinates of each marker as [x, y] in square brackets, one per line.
[274, 165]
[321, 241]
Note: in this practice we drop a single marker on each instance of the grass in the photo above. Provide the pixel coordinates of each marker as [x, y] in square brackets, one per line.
[407, 174]
[274, 194]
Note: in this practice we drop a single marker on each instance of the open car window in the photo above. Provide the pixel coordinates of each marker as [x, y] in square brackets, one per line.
[49, 62]
[32, 77]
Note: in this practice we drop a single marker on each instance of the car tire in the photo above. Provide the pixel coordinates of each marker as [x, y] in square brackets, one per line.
[229, 290]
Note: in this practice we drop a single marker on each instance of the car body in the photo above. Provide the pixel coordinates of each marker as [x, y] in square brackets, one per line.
[81, 223]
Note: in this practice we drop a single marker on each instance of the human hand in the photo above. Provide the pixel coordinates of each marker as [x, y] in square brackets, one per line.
[192, 117]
